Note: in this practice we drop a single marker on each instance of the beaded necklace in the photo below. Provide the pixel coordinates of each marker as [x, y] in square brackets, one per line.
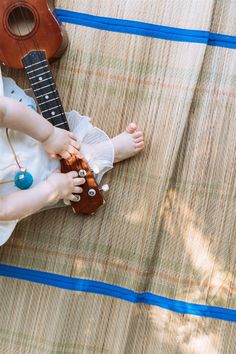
[23, 179]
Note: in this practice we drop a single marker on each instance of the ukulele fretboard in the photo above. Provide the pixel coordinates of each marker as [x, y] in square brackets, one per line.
[42, 83]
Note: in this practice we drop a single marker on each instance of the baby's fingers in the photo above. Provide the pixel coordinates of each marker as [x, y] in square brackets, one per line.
[65, 155]
[74, 198]
[74, 144]
[78, 181]
[72, 150]
[55, 156]
[72, 136]
[77, 190]
[73, 174]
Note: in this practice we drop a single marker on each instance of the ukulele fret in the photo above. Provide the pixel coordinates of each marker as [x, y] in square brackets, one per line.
[53, 112]
[42, 88]
[40, 104]
[47, 93]
[40, 81]
[29, 66]
[32, 77]
[57, 125]
[54, 116]
[46, 110]
[42, 67]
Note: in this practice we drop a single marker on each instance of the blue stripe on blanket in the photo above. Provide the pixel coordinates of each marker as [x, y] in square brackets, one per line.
[96, 287]
[147, 29]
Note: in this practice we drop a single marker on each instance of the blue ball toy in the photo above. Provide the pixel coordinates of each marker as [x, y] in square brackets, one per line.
[23, 180]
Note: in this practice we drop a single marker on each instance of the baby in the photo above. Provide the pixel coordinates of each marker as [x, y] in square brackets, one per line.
[29, 141]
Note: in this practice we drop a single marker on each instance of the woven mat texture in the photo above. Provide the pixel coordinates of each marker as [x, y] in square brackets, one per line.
[169, 223]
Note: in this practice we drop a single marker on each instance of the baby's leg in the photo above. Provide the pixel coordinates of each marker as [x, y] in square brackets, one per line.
[128, 143]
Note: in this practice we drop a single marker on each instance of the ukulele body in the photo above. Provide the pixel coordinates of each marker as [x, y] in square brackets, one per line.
[47, 33]
[30, 36]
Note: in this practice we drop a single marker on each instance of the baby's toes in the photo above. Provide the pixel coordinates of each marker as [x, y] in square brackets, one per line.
[138, 134]
[131, 128]
[139, 146]
[139, 139]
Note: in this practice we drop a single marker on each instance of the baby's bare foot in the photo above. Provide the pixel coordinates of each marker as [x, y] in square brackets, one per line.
[128, 143]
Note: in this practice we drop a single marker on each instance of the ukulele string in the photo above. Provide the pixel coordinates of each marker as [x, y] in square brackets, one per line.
[12, 20]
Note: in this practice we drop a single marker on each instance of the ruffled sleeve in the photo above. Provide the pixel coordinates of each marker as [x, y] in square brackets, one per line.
[6, 229]
[12, 90]
[95, 145]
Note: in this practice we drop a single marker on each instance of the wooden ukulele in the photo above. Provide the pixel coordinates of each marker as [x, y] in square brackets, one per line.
[30, 36]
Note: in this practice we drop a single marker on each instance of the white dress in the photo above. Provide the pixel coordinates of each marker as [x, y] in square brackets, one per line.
[96, 147]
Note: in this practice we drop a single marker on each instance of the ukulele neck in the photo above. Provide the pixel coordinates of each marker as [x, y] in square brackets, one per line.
[42, 83]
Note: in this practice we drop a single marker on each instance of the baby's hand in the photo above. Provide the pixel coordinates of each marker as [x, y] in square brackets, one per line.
[61, 144]
[64, 185]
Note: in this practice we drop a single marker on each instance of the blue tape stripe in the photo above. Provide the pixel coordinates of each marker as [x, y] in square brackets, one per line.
[147, 29]
[96, 287]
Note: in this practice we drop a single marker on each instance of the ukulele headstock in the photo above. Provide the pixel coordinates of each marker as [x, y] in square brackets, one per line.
[91, 198]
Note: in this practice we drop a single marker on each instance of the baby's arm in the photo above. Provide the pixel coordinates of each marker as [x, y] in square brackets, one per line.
[20, 204]
[56, 141]
[17, 116]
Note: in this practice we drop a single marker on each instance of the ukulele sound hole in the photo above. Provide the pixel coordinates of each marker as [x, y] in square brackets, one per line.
[21, 21]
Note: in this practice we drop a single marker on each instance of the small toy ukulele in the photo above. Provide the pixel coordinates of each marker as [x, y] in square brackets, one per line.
[30, 36]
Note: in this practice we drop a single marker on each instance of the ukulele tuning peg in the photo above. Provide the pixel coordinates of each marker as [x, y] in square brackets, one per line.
[92, 192]
[82, 173]
[104, 188]
[66, 202]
